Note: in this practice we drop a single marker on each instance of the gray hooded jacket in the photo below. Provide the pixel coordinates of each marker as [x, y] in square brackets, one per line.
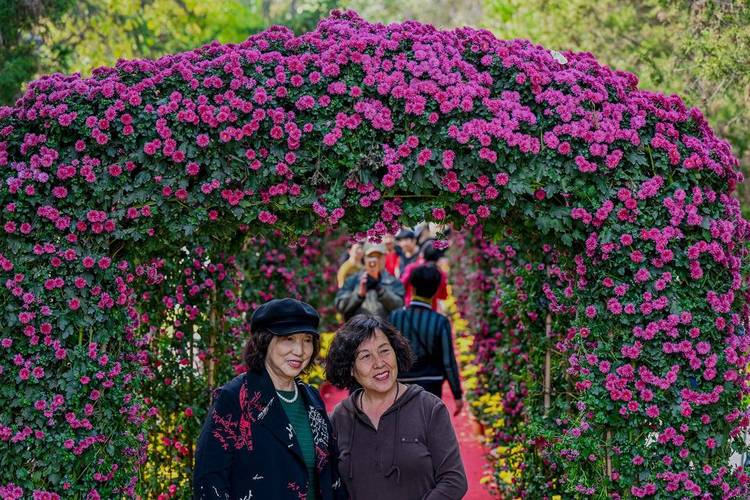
[412, 455]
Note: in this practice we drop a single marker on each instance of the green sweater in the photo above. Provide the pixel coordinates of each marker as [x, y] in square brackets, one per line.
[297, 415]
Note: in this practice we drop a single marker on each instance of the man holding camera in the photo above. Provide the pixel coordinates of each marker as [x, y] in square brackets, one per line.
[373, 290]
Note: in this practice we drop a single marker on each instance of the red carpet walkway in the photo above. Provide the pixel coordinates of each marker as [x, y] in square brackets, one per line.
[472, 450]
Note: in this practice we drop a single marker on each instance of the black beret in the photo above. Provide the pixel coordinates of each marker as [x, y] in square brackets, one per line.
[285, 317]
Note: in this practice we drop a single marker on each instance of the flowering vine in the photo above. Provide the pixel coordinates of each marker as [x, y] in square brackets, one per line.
[361, 126]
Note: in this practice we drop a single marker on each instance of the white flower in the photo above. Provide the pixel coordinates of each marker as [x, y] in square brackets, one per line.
[558, 57]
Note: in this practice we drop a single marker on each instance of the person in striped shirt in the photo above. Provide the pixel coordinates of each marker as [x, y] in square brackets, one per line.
[429, 334]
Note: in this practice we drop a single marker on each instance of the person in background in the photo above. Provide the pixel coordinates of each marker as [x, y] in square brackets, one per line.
[407, 249]
[267, 434]
[428, 255]
[395, 441]
[429, 334]
[391, 256]
[351, 265]
[373, 290]
[423, 235]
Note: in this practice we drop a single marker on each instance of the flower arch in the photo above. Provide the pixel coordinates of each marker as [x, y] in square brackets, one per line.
[623, 196]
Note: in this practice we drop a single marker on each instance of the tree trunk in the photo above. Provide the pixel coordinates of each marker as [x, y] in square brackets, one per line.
[266, 10]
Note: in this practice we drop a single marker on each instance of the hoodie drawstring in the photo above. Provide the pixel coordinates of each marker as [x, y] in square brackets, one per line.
[395, 468]
[394, 456]
[351, 445]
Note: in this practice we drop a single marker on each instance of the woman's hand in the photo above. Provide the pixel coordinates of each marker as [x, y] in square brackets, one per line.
[459, 406]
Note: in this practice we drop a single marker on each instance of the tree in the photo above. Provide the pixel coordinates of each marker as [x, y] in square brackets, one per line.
[442, 13]
[98, 33]
[18, 59]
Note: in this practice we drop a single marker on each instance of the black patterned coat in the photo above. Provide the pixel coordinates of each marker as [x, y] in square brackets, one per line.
[247, 449]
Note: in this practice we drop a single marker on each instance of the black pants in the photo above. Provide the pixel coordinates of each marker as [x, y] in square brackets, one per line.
[435, 388]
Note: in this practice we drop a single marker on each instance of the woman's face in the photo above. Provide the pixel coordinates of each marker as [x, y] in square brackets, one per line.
[375, 366]
[389, 242]
[287, 356]
[356, 252]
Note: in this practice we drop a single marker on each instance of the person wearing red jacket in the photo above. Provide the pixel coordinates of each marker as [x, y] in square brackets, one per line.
[391, 255]
[428, 255]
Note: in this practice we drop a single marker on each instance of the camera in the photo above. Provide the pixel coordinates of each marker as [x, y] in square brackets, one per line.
[372, 283]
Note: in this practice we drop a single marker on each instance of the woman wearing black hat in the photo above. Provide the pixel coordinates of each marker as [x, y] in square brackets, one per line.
[267, 435]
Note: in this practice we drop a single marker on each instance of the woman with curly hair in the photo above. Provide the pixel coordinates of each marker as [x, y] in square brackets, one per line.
[395, 441]
[267, 434]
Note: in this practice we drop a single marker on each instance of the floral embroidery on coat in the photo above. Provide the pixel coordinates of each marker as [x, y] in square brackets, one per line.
[238, 434]
[301, 494]
[320, 435]
[322, 458]
[318, 426]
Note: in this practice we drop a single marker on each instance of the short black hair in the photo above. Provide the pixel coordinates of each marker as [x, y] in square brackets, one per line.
[256, 350]
[343, 351]
[406, 234]
[426, 280]
[430, 253]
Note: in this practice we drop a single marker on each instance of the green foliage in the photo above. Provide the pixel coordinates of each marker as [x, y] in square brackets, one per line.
[99, 33]
[304, 16]
[18, 62]
[442, 13]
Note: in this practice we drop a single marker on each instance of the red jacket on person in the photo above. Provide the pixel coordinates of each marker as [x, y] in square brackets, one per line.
[442, 291]
[391, 262]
